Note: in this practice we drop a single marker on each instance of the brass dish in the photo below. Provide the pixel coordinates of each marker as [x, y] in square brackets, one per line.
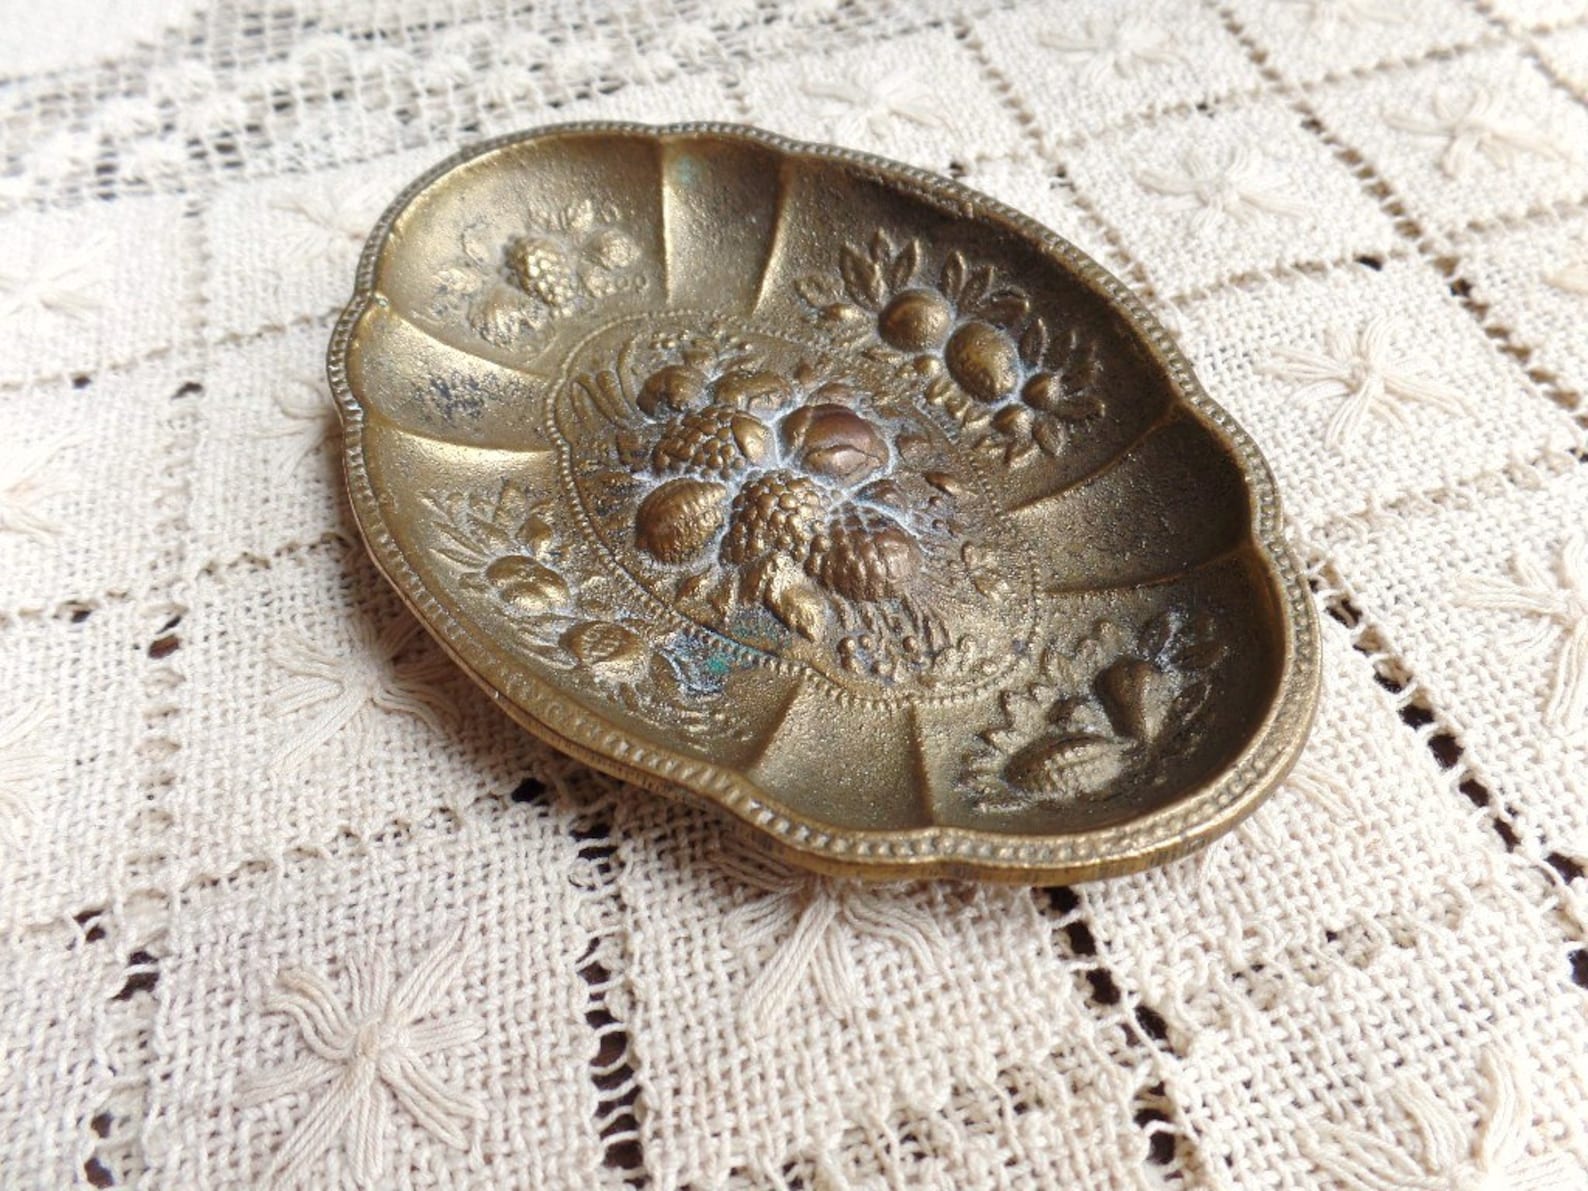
[825, 492]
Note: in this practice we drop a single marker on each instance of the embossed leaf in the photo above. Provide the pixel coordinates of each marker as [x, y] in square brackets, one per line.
[1158, 632]
[887, 491]
[1197, 644]
[1034, 343]
[1048, 437]
[779, 583]
[819, 289]
[581, 216]
[904, 265]
[952, 280]
[479, 242]
[977, 282]
[1005, 308]
[1190, 700]
[1080, 364]
[861, 277]
[881, 246]
[1077, 406]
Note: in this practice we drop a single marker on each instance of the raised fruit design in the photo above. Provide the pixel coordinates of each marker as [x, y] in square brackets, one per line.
[916, 320]
[718, 440]
[866, 556]
[677, 520]
[675, 388]
[984, 361]
[830, 440]
[541, 269]
[779, 511]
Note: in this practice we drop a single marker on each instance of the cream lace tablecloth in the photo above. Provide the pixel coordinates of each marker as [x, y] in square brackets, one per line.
[282, 896]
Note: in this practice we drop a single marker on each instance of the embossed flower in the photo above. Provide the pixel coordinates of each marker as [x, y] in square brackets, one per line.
[775, 486]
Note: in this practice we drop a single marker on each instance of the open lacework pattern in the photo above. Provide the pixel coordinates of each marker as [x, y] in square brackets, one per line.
[283, 898]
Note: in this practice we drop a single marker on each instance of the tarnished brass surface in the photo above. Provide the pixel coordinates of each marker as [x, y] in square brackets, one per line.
[826, 492]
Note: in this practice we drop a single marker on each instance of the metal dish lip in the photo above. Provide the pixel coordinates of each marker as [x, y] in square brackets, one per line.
[1199, 815]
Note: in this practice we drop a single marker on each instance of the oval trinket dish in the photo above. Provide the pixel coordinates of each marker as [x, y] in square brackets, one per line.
[824, 492]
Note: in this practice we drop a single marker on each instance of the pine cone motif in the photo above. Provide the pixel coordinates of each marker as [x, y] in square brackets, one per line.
[777, 511]
[865, 556]
[716, 441]
[541, 269]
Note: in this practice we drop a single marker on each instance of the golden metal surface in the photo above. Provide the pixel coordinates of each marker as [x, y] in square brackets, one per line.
[831, 494]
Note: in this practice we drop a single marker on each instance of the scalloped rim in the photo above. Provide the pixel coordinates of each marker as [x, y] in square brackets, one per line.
[1163, 834]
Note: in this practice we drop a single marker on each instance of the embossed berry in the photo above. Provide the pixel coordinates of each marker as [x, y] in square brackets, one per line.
[917, 320]
[540, 268]
[984, 361]
[777, 511]
[717, 441]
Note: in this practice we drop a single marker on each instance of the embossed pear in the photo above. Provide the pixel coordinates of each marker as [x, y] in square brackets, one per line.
[1139, 696]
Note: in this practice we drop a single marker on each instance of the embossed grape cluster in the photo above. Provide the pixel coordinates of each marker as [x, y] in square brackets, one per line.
[776, 510]
[716, 441]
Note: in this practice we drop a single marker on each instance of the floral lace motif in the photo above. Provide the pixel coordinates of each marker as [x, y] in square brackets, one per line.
[65, 283]
[857, 108]
[341, 685]
[1121, 46]
[1474, 125]
[1242, 186]
[1448, 1153]
[1372, 375]
[374, 1044]
[332, 216]
[309, 421]
[1560, 604]
[811, 924]
[1333, 17]
[25, 478]
[22, 764]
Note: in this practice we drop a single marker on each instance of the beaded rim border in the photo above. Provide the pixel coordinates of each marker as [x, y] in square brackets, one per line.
[1166, 833]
